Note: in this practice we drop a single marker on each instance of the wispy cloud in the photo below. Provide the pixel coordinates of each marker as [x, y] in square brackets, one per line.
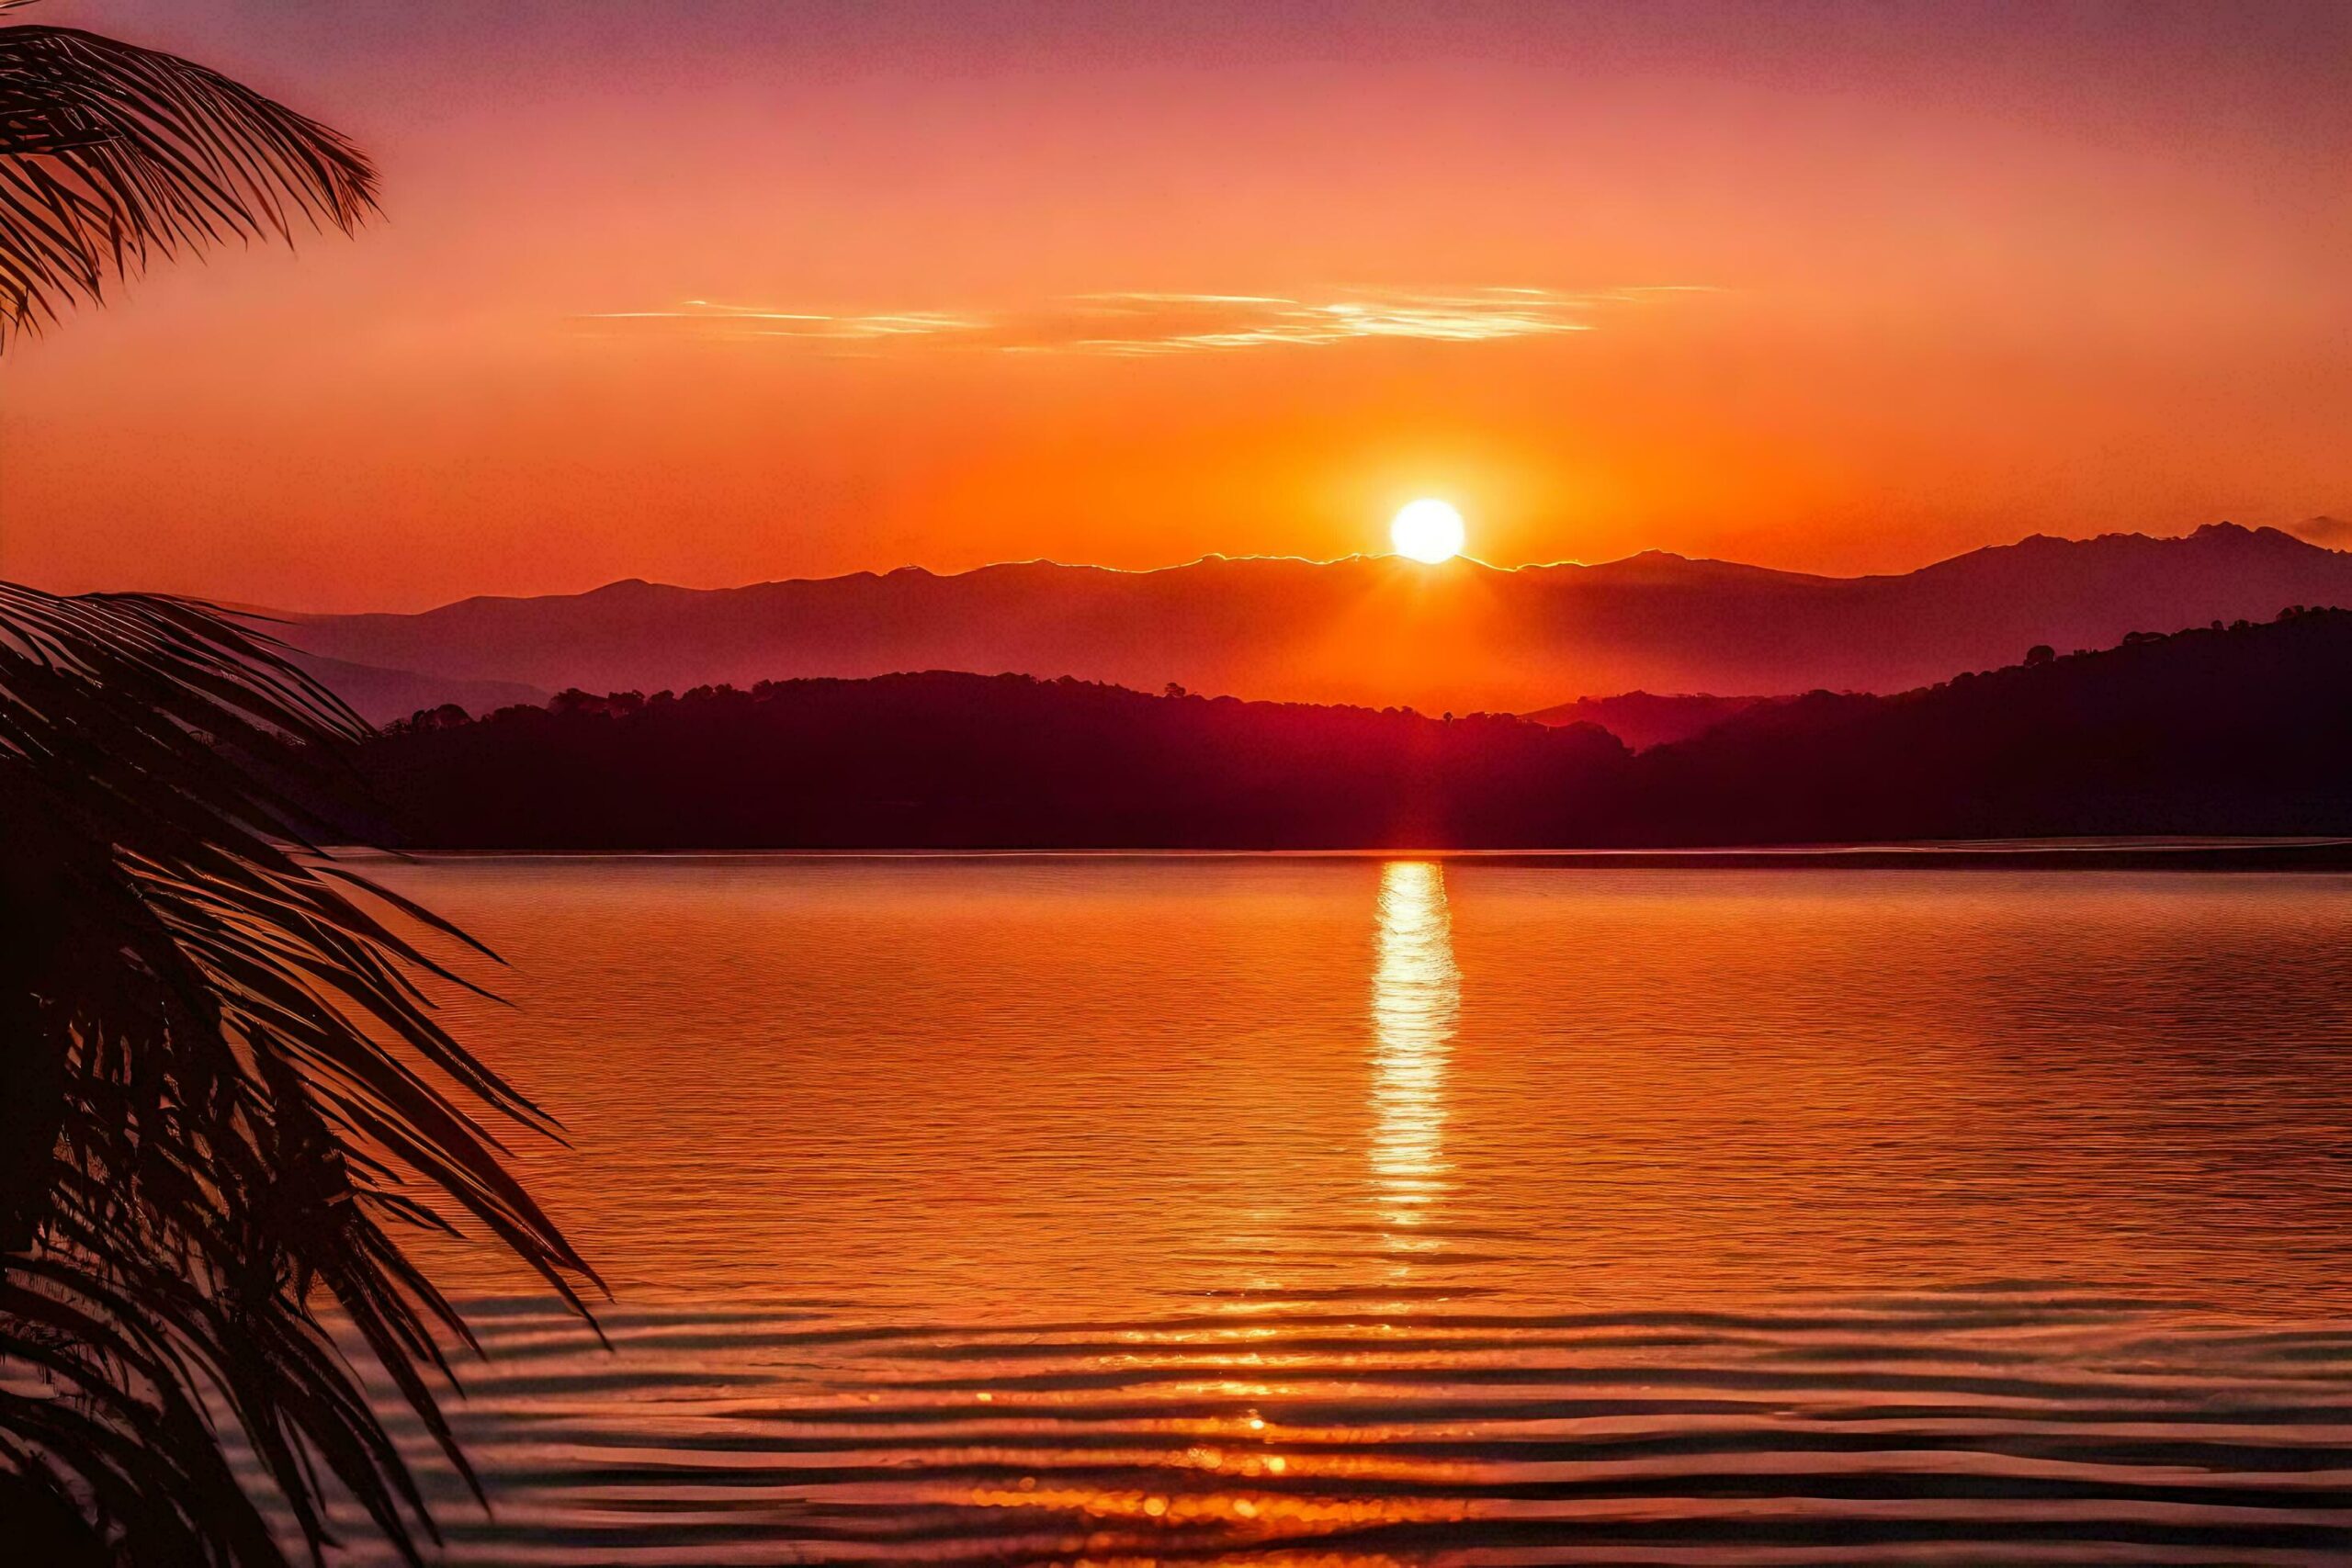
[754, 321]
[1150, 324]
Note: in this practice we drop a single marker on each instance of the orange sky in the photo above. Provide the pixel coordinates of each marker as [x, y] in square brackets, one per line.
[1838, 287]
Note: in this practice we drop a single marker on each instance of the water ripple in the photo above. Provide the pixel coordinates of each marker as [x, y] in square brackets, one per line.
[1334, 1214]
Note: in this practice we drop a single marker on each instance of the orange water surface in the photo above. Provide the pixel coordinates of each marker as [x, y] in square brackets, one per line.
[1341, 1211]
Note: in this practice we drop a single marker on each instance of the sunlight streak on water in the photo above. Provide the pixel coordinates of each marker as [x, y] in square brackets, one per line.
[1266, 1212]
[1416, 1002]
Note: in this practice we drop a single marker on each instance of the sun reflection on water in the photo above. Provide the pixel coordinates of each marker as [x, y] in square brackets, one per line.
[1416, 998]
[1178, 1211]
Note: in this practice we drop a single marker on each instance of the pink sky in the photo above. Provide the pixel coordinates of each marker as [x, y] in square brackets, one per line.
[1836, 286]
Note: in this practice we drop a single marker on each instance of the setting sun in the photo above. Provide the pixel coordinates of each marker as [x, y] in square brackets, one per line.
[1427, 531]
[921, 636]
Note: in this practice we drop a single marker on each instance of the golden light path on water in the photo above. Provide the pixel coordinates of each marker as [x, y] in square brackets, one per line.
[1416, 1001]
[1261, 1212]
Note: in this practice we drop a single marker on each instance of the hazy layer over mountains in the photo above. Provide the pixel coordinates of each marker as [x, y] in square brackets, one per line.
[1371, 630]
[382, 696]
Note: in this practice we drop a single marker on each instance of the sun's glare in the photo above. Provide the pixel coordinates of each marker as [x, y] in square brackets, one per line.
[1429, 531]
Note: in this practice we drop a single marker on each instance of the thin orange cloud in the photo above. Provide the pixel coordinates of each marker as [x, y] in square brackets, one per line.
[1145, 324]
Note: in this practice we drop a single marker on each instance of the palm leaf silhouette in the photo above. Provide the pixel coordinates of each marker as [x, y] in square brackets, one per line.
[112, 155]
[223, 1093]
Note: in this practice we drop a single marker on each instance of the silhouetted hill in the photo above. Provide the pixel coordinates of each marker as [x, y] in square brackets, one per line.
[1644, 719]
[2236, 731]
[945, 760]
[1374, 630]
[2244, 730]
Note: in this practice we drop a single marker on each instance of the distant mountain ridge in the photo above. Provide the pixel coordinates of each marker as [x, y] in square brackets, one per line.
[1374, 630]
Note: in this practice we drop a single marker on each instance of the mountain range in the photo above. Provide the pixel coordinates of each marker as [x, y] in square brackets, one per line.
[1374, 630]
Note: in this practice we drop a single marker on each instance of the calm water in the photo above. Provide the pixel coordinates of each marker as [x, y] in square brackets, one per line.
[1346, 1212]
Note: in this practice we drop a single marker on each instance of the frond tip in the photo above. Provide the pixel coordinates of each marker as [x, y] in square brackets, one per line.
[112, 155]
[225, 1098]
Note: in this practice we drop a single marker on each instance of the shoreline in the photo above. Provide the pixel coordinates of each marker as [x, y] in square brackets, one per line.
[2310, 855]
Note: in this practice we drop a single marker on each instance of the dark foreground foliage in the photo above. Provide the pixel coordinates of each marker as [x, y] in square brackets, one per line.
[223, 1097]
[221, 1092]
[112, 155]
[2226, 730]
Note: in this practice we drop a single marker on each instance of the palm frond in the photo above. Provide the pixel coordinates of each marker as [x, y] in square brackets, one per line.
[111, 155]
[224, 1094]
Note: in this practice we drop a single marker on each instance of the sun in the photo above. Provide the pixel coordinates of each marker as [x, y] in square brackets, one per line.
[1429, 531]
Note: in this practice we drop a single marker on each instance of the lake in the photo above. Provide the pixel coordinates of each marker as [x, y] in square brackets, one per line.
[1334, 1210]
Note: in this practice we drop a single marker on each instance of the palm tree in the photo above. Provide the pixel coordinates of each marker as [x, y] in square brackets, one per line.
[112, 155]
[223, 1095]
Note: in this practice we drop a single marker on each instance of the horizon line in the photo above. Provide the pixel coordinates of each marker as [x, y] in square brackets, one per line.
[1217, 557]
